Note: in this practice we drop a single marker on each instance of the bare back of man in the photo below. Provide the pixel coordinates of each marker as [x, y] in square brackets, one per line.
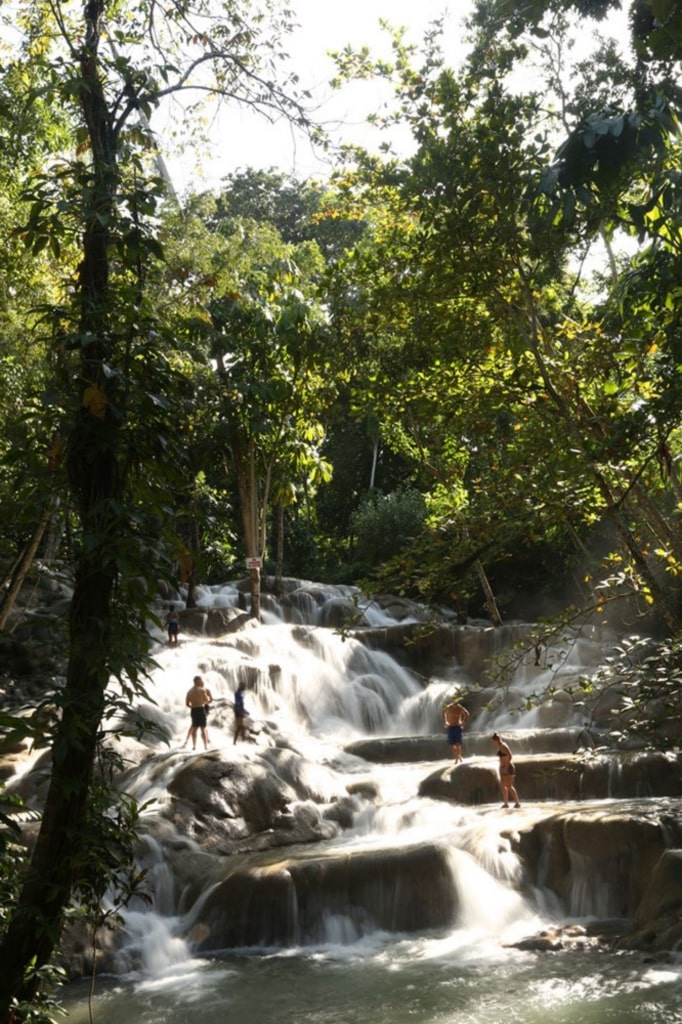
[455, 716]
[197, 700]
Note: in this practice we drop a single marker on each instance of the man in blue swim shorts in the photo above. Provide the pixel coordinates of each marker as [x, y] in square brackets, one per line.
[454, 719]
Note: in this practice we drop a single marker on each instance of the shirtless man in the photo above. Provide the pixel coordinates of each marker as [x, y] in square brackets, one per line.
[454, 719]
[197, 700]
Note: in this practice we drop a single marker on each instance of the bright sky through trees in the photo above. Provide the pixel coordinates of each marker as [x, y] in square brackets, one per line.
[241, 139]
[245, 140]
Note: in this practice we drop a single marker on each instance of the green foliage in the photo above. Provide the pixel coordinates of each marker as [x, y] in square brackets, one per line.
[107, 867]
[301, 211]
[646, 678]
[14, 817]
[386, 523]
[527, 418]
[42, 1007]
[417, 319]
[12, 851]
[255, 315]
[352, 446]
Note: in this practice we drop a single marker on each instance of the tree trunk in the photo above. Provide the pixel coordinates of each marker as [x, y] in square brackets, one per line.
[375, 459]
[254, 577]
[56, 529]
[192, 584]
[189, 559]
[490, 602]
[247, 483]
[23, 565]
[279, 560]
[35, 925]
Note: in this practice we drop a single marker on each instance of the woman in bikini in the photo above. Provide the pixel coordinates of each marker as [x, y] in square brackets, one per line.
[507, 772]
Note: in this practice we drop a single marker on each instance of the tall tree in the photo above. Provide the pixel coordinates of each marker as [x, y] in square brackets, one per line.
[105, 198]
[268, 343]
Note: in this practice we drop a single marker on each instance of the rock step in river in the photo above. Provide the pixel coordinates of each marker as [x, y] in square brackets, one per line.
[599, 828]
[551, 764]
[599, 832]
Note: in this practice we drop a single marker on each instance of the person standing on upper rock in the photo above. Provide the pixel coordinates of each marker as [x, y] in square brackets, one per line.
[507, 771]
[172, 626]
[455, 716]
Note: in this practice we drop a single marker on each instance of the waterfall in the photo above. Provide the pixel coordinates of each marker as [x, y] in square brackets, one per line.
[297, 840]
[386, 860]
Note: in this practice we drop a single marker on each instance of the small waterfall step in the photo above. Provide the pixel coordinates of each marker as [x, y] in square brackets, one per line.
[410, 749]
[583, 776]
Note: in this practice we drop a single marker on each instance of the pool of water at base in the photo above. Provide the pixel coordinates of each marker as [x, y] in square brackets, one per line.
[404, 982]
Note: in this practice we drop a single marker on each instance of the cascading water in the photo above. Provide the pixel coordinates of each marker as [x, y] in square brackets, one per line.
[392, 907]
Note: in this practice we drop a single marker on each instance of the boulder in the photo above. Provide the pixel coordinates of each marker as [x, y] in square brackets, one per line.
[658, 919]
[663, 893]
[400, 608]
[339, 613]
[265, 799]
[601, 860]
[215, 790]
[292, 901]
[561, 936]
[400, 750]
[465, 783]
[213, 622]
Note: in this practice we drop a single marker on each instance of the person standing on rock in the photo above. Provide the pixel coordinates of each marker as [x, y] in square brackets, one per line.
[455, 716]
[507, 771]
[241, 715]
[197, 700]
[172, 626]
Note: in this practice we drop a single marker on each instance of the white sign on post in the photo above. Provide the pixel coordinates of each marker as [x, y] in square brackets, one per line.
[254, 563]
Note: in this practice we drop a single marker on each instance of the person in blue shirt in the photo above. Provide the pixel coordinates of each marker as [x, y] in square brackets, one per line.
[241, 715]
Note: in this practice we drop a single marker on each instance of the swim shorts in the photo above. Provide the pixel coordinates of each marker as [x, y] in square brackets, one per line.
[454, 734]
[198, 717]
